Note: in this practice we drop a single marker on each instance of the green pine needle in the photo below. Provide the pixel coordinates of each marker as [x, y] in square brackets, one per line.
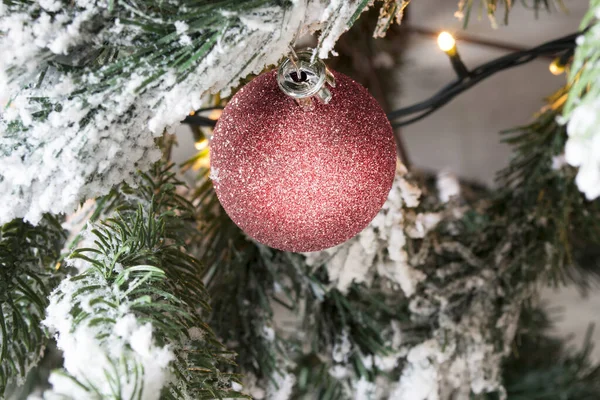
[139, 265]
[28, 255]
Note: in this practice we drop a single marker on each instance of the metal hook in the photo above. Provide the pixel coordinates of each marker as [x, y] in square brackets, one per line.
[316, 78]
[294, 60]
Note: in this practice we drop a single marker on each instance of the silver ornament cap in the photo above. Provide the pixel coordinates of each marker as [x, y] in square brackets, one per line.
[304, 78]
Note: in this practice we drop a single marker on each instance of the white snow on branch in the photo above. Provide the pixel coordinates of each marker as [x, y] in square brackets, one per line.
[281, 386]
[582, 110]
[419, 380]
[462, 358]
[123, 357]
[447, 186]
[108, 352]
[96, 129]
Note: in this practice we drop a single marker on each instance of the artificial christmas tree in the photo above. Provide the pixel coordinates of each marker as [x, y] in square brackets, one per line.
[150, 290]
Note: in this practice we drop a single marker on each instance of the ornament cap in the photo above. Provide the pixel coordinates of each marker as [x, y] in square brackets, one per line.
[305, 78]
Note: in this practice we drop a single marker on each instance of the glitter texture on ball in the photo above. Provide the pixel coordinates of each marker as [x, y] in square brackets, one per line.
[302, 180]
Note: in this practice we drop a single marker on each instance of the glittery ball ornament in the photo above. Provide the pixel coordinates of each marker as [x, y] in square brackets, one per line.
[302, 179]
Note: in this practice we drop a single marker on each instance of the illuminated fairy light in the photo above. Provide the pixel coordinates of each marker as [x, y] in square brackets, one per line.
[215, 114]
[415, 112]
[556, 67]
[446, 42]
[201, 144]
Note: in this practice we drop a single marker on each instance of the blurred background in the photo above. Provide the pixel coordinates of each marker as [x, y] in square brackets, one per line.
[462, 138]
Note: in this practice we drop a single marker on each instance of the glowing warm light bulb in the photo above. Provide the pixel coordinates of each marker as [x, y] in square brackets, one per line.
[215, 114]
[201, 144]
[556, 68]
[446, 41]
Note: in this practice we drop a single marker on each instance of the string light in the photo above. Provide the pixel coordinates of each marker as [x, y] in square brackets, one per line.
[407, 115]
[555, 67]
[563, 46]
[559, 64]
[201, 144]
[446, 42]
[215, 114]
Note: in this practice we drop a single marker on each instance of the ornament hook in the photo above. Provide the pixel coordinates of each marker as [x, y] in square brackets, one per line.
[302, 79]
[294, 60]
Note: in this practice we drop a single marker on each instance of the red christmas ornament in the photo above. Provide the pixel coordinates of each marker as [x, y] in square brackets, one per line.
[302, 178]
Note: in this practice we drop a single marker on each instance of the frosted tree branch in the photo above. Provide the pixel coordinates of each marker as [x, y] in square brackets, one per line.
[128, 322]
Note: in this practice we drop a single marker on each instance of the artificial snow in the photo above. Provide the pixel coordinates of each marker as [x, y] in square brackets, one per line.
[251, 386]
[342, 349]
[281, 386]
[419, 380]
[447, 186]
[558, 162]
[583, 147]
[364, 389]
[92, 353]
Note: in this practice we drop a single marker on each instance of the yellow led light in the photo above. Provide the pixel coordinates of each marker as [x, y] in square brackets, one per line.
[556, 68]
[446, 41]
[202, 162]
[201, 144]
[215, 114]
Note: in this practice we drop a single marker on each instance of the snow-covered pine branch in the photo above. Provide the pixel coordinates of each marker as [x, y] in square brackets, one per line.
[90, 84]
[27, 256]
[128, 322]
[582, 110]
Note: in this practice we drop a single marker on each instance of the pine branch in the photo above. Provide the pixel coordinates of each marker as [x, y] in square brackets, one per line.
[354, 331]
[315, 379]
[490, 8]
[129, 319]
[541, 366]
[243, 279]
[27, 256]
[542, 205]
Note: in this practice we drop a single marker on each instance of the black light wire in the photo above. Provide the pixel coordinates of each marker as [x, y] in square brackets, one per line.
[199, 120]
[400, 118]
[405, 116]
